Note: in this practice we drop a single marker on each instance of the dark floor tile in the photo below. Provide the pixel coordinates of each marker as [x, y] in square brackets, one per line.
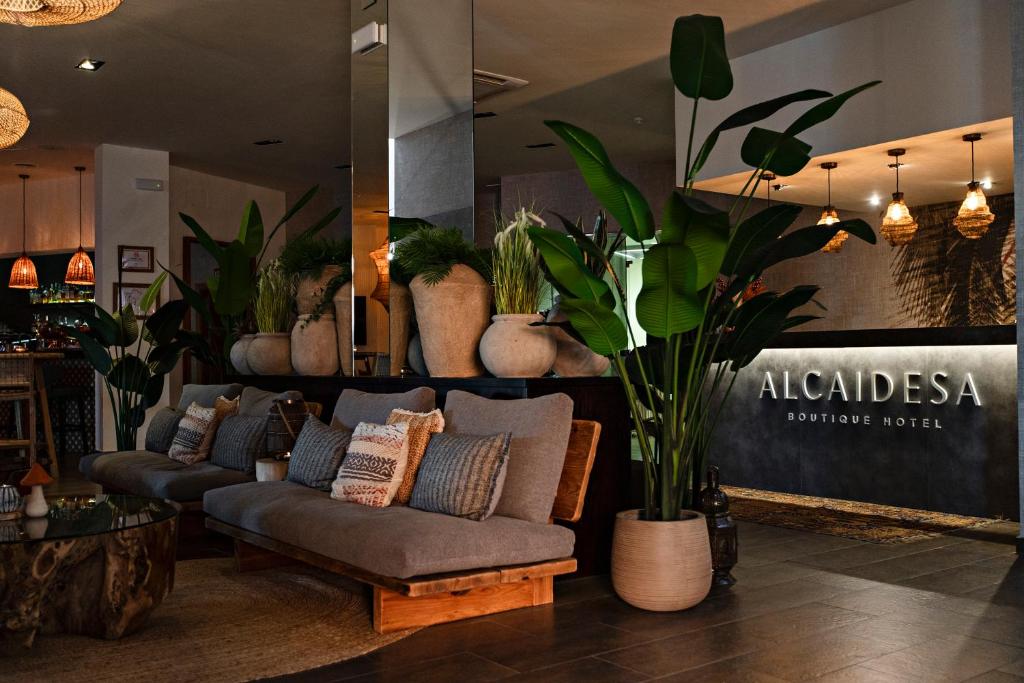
[868, 553]
[954, 658]
[995, 677]
[813, 656]
[720, 672]
[908, 566]
[798, 622]
[590, 670]
[585, 588]
[858, 674]
[461, 667]
[537, 651]
[771, 574]
[957, 580]
[893, 630]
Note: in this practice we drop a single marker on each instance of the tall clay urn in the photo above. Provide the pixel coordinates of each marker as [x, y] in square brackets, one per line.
[310, 290]
[343, 327]
[400, 299]
[452, 317]
[315, 346]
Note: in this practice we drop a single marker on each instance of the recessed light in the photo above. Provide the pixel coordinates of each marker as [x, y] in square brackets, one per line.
[90, 65]
[24, 165]
[638, 120]
[343, 167]
[875, 200]
[987, 183]
[484, 115]
[270, 141]
[540, 145]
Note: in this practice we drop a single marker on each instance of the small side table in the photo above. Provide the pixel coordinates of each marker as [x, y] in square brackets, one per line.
[268, 469]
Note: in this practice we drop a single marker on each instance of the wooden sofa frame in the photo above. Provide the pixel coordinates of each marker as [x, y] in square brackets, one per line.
[438, 598]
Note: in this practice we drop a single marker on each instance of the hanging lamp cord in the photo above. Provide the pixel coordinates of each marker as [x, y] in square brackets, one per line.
[828, 173]
[80, 209]
[973, 179]
[24, 221]
[897, 174]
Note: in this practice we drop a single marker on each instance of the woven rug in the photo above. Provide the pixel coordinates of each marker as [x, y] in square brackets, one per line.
[219, 625]
[849, 519]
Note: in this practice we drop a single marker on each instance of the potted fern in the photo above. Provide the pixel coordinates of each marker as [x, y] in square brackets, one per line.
[269, 353]
[450, 283]
[515, 345]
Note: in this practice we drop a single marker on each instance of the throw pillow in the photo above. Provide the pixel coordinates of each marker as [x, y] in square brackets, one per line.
[356, 406]
[374, 465]
[206, 394]
[317, 454]
[240, 442]
[462, 475]
[162, 428]
[421, 427]
[188, 440]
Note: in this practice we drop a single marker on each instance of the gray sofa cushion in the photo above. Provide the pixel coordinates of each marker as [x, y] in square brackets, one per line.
[206, 394]
[356, 406]
[86, 461]
[318, 453]
[241, 440]
[462, 475]
[540, 435]
[394, 541]
[149, 474]
[258, 403]
[162, 428]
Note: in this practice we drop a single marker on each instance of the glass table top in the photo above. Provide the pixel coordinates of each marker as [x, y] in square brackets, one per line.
[77, 516]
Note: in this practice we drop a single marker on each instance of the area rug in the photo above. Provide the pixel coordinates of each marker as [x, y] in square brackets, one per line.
[219, 625]
[849, 519]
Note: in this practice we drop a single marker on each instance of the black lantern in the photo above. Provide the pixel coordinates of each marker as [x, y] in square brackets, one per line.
[721, 529]
[283, 426]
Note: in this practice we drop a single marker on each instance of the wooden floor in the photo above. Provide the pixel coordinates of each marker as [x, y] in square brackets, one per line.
[807, 607]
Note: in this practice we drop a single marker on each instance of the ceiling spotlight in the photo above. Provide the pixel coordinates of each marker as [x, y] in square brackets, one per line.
[875, 200]
[540, 145]
[270, 141]
[987, 183]
[90, 65]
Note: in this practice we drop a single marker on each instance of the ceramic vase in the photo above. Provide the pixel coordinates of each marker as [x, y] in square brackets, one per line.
[10, 501]
[512, 348]
[343, 327]
[572, 358]
[401, 322]
[452, 317]
[415, 356]
[35, 504]
[270, 354]
[315, 346]
[310, 290]
[661, 566]
[238, 354]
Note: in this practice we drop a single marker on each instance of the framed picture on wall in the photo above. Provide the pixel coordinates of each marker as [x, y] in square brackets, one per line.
[135, 259]
[131, 294]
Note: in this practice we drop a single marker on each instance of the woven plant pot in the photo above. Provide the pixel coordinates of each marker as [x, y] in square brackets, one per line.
[343, 327]
[239, 354]
[452, 316]
[309, 290]
[270, 354]
[315, 346]
[512, 348]
[661, 566]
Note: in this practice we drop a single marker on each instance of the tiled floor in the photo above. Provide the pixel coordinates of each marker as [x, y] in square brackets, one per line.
[807, 607]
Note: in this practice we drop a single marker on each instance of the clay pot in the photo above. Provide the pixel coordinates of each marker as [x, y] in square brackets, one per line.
[452, 316]
[512, 348]
[315, 346]
[661, 566]
[310, 290]
[415, 357]
[573, 359]
[343, 327]
[401, 321]
[238, 353]
[270, 354]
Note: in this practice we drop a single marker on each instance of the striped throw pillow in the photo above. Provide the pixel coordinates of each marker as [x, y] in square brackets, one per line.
[317, 454]
[162, 428]
[462, 475]
[187, 446]
[421, 427]
[240, 441]
[374, 465]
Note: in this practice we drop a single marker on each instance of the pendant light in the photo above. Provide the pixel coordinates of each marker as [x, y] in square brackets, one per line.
[13, 119]
[898, 226]
[54, 12]
[23, 274]
[974, 217]
[829, 215]
[80, 270]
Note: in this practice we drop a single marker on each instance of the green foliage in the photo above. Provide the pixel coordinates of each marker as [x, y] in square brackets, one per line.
[308, 255]
[274, 295]
[432, 252]
[702, 325]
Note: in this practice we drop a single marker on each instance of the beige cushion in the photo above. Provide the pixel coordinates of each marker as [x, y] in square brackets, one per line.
[191, 436]
[374, 464]
[421, 427]
[356, 406]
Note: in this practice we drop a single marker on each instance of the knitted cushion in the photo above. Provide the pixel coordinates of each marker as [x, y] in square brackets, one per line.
[240, 441]
[188, 440]
[162, 428]
[462, 475]
[374, 465]
[421, 427]
[317, 454]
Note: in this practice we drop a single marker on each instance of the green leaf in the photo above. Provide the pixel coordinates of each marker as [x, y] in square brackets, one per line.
[761, 319]
[297, 206]
[603, 330]
[95, 353]
[825, 110]
[774, 151]
[564, 262]
[668, 303]
[205, 241]
[810, 240]
[701, 227]
[699, 62]
[756, 233]
[320, 224]
[619, 196]
[127, 326]
[234, 289]
[161, 327]
[152, 293]
[136, 417]
[251, 231]
[194, 299]
[163, 358]
[129, 374]
[153, 392]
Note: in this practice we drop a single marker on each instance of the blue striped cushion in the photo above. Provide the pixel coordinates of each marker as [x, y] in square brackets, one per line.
[317, 454]
[462, 475]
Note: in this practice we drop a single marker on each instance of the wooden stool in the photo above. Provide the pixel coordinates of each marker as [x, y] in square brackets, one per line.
[17, 385]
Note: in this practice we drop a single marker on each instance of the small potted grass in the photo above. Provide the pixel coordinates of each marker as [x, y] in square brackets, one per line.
[269, 353]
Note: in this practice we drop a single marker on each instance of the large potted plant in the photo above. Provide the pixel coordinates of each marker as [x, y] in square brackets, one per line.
[451, 292]
[699, 334]
[514, 345]
[269, 352]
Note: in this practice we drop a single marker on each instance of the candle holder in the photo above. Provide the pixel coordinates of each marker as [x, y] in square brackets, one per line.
[721, 529]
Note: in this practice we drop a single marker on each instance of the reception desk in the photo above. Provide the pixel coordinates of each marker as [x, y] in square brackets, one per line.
[921, 418]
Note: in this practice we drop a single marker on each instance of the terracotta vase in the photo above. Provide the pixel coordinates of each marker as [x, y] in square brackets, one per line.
[512, 348]
[343, 327]
[270, 354]
[573, 359]
[452, 316]
[310, 290]
[239, 352]
[315, 346]
[661, 566]
[415, 357]
[401, 322]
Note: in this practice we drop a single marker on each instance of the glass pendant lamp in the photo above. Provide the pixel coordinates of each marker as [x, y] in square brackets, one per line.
[80, 270]
[829, 215]
[974, 216]
[898, 226]
[23, 273]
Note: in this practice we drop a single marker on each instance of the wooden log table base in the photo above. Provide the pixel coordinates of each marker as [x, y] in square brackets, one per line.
[104, 585]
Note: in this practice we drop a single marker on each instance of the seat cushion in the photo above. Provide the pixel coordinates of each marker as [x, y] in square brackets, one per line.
[257, 402]
[206, 394]
[540, 430]
[356, 406]
[395, 541]
[150, 474]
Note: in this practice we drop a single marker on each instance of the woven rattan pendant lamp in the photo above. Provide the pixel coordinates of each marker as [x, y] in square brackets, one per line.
[54, 12]
[974, 217]
[23, 273]
[829, 215]
[80, 270]
[13, 119]
[898, 226]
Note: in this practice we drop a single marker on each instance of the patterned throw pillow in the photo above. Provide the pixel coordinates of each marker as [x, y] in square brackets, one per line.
[462, 475]
[317, 454]
[191, 434]
[223, 408]
[162, 428]
[421, 427]
[241, 440]
[374, 465]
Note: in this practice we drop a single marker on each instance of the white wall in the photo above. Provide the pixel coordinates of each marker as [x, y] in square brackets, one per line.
[943, 63]
[52, 213]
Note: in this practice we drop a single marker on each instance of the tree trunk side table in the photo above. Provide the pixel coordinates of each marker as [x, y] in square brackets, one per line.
[96, 566]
